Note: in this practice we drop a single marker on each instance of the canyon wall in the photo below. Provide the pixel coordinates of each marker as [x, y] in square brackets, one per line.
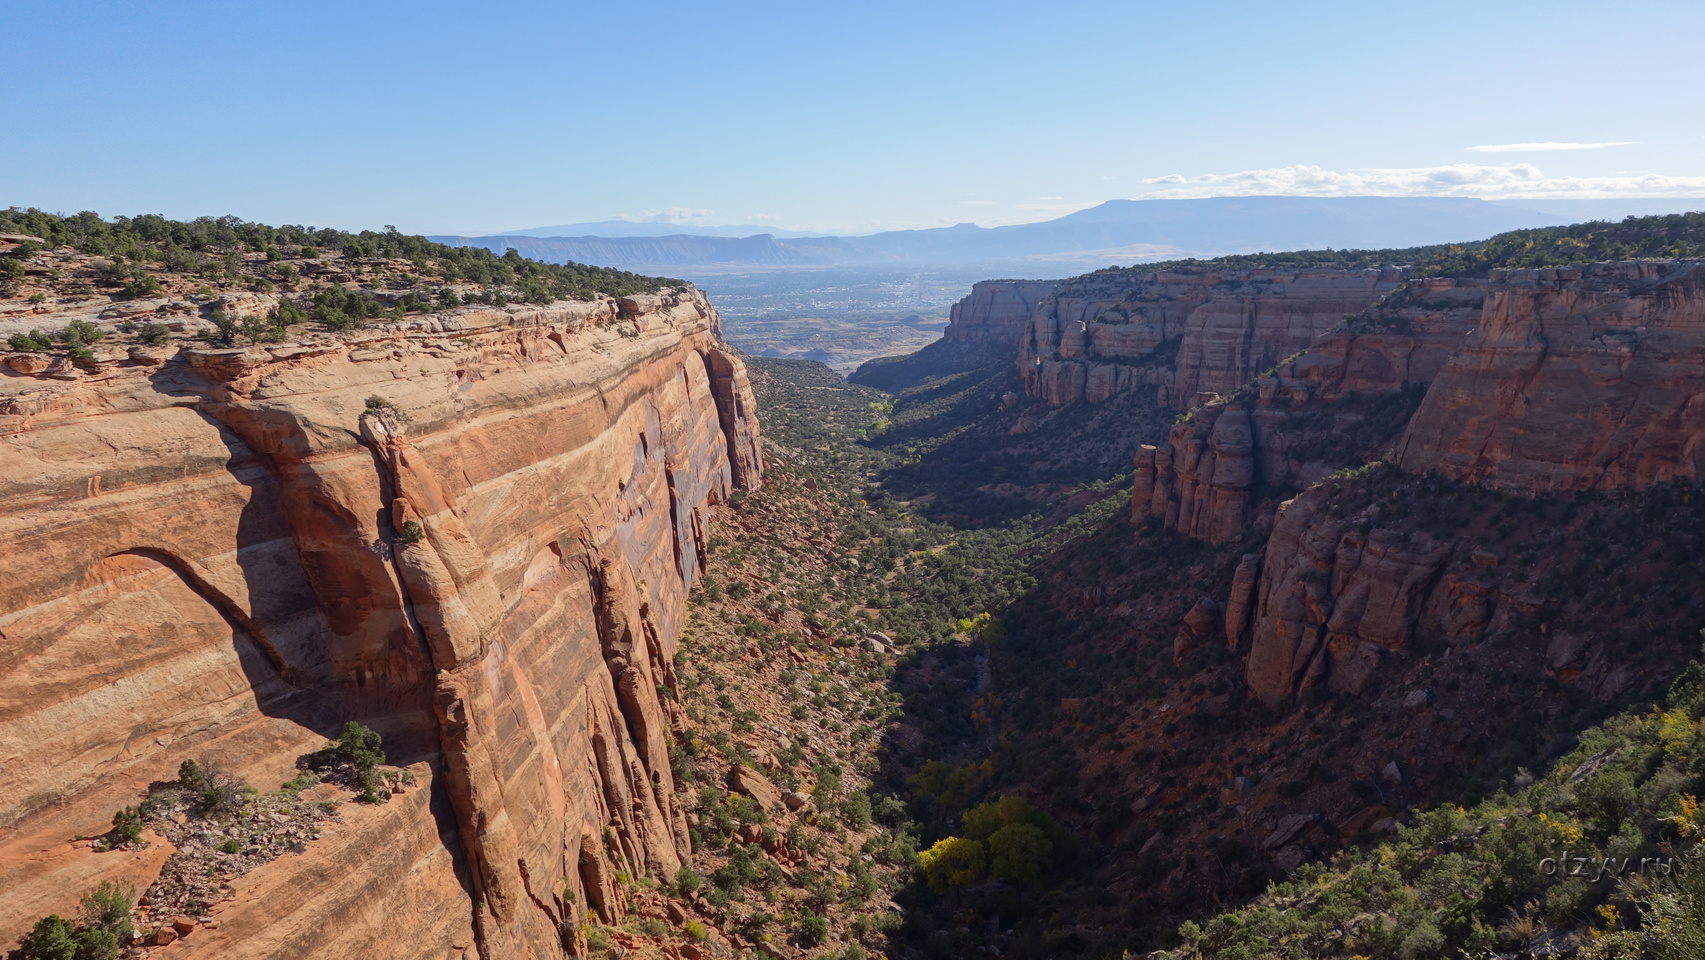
[474, 534]
[1532, 382]
[1184, 330]
[1343, 402]
[1582, 379]
[996, 311]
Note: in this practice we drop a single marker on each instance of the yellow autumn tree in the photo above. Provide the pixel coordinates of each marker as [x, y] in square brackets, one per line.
[952, 862]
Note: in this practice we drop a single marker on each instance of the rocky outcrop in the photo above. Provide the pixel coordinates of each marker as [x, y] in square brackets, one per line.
[1568, 380]
[1345, 400]
[1333, 596]
[1575, 379]
[1200, 484]
[996, 311]
[1185, 330]
[475, 536]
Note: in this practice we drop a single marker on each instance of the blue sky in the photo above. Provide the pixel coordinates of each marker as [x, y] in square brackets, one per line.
[465, 117]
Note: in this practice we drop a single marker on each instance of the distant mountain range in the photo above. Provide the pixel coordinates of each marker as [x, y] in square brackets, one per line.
[1118, 231]
[638, 228]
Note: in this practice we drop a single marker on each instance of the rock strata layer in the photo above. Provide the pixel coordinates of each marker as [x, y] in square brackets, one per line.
[1574, 379]
[996, 312]
[1343, 402]
[1530, 382]
[1186, 330]
[476, 538]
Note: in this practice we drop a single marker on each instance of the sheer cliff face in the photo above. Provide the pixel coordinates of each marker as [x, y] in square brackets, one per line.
[1573, 380]
[477, 541]
[1343, 402]
[1185, 331]
[996, 311]
[1531, 382]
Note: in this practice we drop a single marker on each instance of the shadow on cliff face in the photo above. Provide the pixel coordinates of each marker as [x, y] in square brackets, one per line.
[300, 570]
[326, 568]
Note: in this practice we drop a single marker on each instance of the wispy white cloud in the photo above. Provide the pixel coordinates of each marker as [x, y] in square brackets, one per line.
[1548, 145]
[1509, 181]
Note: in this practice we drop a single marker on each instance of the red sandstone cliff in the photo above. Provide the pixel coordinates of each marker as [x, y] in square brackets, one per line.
[1574, 380]
[1343, 402]
[1186, 330]
[204, 561]
[996, 311]
[1556, 380]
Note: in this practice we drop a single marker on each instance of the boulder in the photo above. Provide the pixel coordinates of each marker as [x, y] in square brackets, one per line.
[755, 785]
[1363, 819]
[1289, 829]
[1200, 624]
[62, 369]
[29, 363]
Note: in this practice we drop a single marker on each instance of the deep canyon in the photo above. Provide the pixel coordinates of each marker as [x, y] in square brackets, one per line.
[1134, 599]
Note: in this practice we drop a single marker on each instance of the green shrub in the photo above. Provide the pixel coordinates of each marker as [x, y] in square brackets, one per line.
[221, 796]
[127, 825]
[687, 880]
[11, 272]
[362, 749]
[226, 325]
[695, 931]
[650, 927]
[342, 309]
[107, 908]
[97, 945]
[410, 532]
[36, 341]
[856, 811]
[152, 334]
[52, 938]
[1018, 852]
[143, 285]
[813, 929]
[262, 329]
[81, 333]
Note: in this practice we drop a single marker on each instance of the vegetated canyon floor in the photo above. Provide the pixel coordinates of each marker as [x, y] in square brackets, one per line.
[837, 673]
